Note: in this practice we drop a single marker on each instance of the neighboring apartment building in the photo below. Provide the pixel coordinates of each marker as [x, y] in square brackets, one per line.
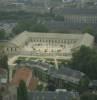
[60, 76]
[77, 18]
[77, 15]
[55, 95]
[6, 2]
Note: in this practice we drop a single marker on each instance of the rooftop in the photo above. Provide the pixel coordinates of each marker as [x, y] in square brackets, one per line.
[25, 74]
[67, 74]
[76, 11]
[28, 35]
[51, 95]
[64, 73]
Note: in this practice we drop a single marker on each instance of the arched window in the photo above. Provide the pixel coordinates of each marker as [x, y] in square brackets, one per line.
[64, 41]
[15, 49]
[55, 41]
[11, 49]
[7, 49]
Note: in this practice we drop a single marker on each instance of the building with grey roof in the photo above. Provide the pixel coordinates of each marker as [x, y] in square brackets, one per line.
[67, 75]
[77, 18]
[61, 76]
[57, 95]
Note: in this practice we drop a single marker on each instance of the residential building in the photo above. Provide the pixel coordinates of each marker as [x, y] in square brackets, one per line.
[61, 76]
[77, 18]
[56, 95]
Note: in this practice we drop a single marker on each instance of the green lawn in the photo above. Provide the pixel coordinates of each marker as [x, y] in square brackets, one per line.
[22, 58]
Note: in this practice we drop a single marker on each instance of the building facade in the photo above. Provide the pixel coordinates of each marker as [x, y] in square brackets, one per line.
[53, 95]
[48, 44]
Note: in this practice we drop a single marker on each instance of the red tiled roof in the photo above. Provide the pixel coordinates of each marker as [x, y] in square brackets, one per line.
[25, 74]
[33, 84]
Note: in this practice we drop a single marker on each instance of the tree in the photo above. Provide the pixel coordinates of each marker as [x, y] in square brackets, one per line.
[2, 34]
[51, 85]
[92, 31]
[4, 63]
[83, 84]
[88, 96]
[40, 87]
[21, 26]
[85, 60]
[39, 28]
[22, 91]
[88, 29]
[30, 25]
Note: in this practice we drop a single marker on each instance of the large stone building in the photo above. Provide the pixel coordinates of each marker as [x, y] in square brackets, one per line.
[48, 44]
[6, 2]
[87, 3]
[77, 18]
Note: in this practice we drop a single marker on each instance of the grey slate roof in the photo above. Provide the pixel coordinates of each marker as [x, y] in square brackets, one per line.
[67, 74]
[39, 65]
[77, 11]
[50, 96]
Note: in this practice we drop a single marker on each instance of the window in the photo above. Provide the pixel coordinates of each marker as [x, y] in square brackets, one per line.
[15, 49]
[7, 49]
[11, 49]
[43, 98]
[55, 98]
[38, 98]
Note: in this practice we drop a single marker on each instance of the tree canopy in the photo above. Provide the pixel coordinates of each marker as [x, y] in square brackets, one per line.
[22, 91]
[89, 29]
[88, 96]
[30, 25]
[92, 31]
[85, 60]
[4, 61]
[83, 84]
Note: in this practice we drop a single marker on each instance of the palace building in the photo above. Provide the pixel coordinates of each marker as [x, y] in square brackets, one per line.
[48, 44]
